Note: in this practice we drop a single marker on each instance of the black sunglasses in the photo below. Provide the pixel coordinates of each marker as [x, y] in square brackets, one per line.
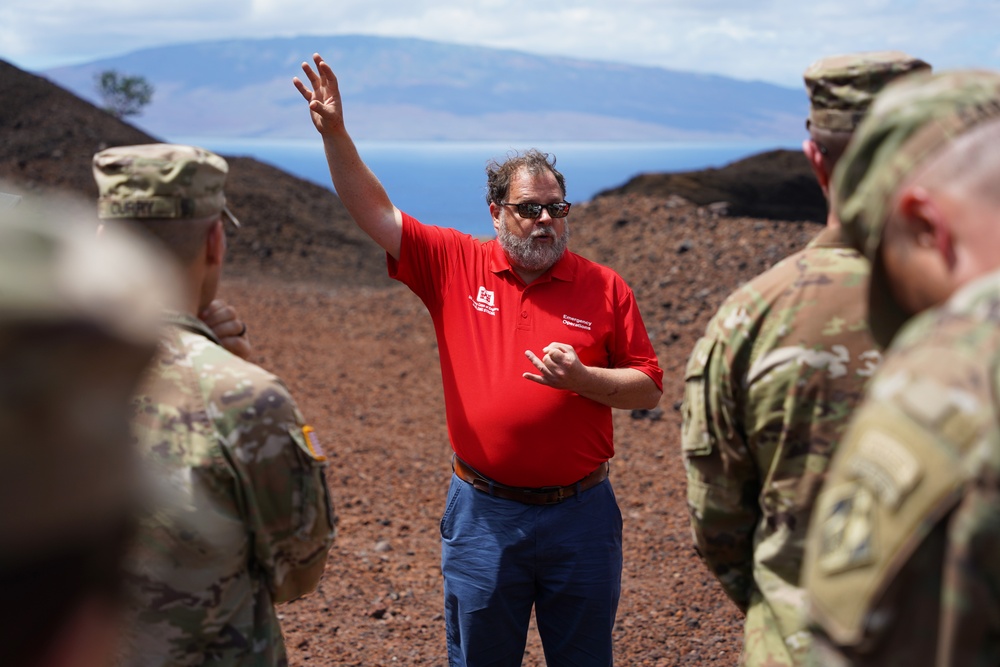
[531, 211]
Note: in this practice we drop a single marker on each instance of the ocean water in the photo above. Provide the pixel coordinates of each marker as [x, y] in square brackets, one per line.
[443, 183]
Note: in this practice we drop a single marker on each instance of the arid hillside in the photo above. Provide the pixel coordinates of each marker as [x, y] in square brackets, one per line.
[295, 229]
[359, 354]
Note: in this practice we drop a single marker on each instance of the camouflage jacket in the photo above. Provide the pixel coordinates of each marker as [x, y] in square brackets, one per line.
[903, 558]
[243, 518]
[769, 389]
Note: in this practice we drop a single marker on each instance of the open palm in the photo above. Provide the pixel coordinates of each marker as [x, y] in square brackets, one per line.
[325, 106]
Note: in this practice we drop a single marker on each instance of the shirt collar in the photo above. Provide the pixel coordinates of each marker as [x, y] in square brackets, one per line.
[829, 238]
[564, 269]
[192, 324]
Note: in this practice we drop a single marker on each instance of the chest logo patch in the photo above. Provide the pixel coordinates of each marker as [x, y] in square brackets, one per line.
[485, 296]
[485, 301]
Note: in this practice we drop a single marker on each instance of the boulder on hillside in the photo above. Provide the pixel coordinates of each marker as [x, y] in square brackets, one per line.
[775, 185]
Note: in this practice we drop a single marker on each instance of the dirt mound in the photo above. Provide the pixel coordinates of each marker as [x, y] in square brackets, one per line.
[359, 354]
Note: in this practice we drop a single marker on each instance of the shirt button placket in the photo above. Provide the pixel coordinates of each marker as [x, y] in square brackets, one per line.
[525, 321]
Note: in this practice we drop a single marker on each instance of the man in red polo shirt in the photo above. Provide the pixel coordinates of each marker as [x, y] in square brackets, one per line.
[537, 345]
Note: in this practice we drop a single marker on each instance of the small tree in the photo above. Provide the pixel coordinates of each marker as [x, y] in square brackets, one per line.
[123, 95]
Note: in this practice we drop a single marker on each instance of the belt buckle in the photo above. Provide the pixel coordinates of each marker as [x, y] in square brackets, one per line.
[560, 493]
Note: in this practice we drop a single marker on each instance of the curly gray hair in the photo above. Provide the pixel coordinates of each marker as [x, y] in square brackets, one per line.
[499, 174]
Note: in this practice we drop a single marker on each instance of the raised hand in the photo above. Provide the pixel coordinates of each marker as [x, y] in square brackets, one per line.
[325, 106]
[358, 188]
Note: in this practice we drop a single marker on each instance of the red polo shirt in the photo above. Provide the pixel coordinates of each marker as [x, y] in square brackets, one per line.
[511, 429]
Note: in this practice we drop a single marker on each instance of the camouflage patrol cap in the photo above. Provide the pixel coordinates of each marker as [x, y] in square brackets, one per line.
[909, 123]
[842, 87]
[161, 181]
[74, 337]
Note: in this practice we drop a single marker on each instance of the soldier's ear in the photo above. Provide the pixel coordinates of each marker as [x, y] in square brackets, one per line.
[215, 244]
[814, 155]
[926, 223]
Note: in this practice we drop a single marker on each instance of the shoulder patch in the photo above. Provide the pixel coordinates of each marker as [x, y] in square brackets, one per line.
[890, 482]
[846, 526]
[312, 443]
[887, 465]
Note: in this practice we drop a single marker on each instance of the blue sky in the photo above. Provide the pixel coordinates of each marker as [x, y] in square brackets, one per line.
[767, 40]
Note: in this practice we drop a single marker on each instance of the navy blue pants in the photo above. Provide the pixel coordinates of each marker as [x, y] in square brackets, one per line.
[499, 557]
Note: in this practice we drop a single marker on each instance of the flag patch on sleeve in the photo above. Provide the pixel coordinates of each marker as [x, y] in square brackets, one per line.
[312, 442]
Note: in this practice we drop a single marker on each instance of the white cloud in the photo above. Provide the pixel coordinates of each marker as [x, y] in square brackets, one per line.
[771, 40]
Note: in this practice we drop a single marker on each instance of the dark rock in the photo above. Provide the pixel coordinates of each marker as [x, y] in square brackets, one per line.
[778, 185]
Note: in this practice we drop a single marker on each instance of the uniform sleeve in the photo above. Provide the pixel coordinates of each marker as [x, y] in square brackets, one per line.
[971, 595]
[284, 497]
[722, 479]
[906, 532]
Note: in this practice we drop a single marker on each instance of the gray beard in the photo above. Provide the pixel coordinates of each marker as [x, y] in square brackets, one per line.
[528, 255]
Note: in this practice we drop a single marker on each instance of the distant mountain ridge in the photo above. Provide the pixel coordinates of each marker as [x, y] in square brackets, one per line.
[297, 231]
[399, 89]
[292, 229]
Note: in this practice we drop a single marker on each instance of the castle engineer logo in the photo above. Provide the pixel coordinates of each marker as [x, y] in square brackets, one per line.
[485, 301]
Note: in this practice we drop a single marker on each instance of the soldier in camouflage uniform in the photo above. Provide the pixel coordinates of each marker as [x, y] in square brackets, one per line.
[79, 321]
[902, 560]
[244, 518]
[771, 384]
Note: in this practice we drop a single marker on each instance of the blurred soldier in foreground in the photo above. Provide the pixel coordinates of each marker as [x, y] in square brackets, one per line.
[8, 201]
[245, 520]
[79, 321]
[771, 385]
[903, 557]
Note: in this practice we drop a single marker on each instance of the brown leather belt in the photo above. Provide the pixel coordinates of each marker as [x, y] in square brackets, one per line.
[546, 495]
